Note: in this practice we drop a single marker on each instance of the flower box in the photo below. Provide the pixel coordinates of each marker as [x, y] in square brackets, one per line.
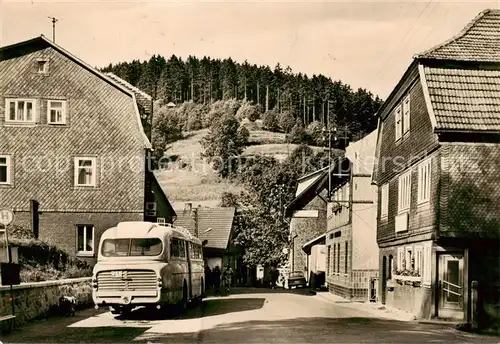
[407, 278]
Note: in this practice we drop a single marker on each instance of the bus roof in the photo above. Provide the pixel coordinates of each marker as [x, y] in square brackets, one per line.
[141, 229]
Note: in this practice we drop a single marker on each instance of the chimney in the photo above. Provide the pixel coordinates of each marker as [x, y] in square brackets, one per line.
[188, 207]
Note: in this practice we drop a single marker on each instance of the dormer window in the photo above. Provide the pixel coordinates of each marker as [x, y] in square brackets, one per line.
[402, 118]
[42, 66]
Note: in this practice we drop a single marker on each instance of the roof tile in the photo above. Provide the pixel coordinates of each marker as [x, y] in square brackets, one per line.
[466, 99]
[220, 220]
[478, 41]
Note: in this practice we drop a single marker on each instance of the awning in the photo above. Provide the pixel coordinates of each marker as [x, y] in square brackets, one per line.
[321, 240]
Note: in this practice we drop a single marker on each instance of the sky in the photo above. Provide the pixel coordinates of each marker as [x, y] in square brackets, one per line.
[362, 43]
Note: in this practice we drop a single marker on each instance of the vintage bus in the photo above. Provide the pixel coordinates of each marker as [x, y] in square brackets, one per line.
[147, 264]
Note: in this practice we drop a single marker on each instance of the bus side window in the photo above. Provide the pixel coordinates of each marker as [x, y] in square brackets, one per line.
[182, 248]
[174, 247]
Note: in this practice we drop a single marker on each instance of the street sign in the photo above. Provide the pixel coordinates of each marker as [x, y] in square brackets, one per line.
[6, 217]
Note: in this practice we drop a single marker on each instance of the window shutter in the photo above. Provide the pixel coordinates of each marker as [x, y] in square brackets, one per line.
[406, 114]
[397, 121]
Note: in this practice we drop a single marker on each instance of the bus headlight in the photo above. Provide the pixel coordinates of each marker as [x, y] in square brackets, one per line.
[94, 283]
[160, 282]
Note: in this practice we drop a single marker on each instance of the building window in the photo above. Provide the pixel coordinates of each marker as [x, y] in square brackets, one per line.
[404, 194]
[328, 257]
[5, 169]
[161, 221]
[85, 171]
[42, 66]
[346, 256]
[150, 209]
[424, 181]
[402, 118]
[20, 110]
[56, 112]
[409, 259]
[427, 266]
[334, 259]
[419, 260]
[401, 259]
[384, 201]
[338, 258]
[406, 114]
[85, 239]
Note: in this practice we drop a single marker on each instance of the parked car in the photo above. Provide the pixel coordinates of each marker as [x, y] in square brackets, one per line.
[296, 279]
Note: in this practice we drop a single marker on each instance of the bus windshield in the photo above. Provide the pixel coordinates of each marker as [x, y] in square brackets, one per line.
[132, 247]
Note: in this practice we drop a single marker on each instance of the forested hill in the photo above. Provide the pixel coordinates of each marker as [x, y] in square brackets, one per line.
[207, 80]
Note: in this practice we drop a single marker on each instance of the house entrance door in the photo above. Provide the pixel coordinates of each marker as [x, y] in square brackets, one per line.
[451, 286]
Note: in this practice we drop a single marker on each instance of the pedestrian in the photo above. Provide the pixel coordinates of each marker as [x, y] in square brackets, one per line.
[228, 274]
[274, 276]
[208, 278]
[216, 276]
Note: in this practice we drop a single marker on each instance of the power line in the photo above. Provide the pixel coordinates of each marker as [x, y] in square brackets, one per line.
[383, 71]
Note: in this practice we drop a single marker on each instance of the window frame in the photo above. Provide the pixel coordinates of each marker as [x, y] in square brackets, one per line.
[76, 162]
[419, 260]
[45, 64]
[401, 257]
[8, 101]
[8, 165]
[384, 201]
[404, 192]
[409, 256]
[85, 252]
[161, 221]
[424, 181]
[63, 109]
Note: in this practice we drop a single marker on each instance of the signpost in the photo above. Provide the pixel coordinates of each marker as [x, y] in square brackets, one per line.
[6, 218]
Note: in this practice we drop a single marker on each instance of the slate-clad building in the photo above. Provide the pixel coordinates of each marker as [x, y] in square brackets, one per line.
[72, 148]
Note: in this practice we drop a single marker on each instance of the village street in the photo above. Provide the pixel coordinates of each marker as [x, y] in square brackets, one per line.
[247, 316]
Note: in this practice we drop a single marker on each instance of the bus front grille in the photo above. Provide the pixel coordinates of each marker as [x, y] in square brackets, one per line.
[127, 280]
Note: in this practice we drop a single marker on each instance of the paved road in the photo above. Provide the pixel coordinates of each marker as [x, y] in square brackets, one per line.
[257, 317]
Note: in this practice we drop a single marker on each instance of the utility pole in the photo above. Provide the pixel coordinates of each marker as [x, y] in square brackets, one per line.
[54, 21]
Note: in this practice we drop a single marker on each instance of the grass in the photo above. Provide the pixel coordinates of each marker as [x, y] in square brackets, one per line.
[188, 178]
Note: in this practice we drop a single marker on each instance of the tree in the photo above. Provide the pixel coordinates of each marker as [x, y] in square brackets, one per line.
[270, 121]
[286, 121]
[224, 143]
[165, 131]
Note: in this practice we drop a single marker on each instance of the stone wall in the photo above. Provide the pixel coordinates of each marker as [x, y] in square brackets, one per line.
[34, 300]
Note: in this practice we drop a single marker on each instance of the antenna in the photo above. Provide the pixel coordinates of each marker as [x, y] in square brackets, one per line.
[54, 21]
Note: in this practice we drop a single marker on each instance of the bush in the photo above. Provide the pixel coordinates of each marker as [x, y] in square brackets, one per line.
[270, 121]
[248, 111]
[299, 135]
[286, 121]
[43, 262]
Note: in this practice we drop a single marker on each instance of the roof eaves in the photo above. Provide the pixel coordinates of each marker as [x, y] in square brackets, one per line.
[128, 85]
[395, 90]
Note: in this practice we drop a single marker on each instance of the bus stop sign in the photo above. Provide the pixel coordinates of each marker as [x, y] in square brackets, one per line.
[6, 217]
